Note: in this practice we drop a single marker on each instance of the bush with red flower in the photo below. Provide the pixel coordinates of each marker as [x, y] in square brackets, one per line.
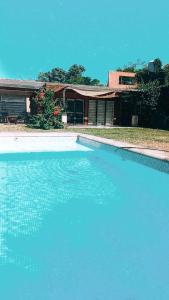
[55, 113]
[46, 111]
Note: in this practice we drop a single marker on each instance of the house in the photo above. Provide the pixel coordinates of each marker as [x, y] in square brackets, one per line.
[98, 105]
[88, 105]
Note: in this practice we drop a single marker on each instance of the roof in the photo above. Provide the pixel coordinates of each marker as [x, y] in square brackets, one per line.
[21, 84]
[79, 86]
[88, 90]
[94, 94]
[96, 88]
[84, 90]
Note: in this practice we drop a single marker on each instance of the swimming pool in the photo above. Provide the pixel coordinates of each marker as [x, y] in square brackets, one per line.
[88, 223]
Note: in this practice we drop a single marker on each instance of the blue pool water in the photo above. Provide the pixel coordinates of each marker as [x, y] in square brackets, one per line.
[82, 226]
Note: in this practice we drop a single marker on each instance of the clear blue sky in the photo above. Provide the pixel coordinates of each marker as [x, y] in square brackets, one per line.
[36, 35]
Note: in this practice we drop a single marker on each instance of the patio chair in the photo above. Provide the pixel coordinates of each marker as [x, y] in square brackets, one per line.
[3, 117]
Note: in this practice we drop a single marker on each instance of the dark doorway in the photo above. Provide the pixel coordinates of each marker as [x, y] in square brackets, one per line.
[75, 111]
[126, 113]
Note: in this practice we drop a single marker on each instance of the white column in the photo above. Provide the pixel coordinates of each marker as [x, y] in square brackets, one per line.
[28, 110]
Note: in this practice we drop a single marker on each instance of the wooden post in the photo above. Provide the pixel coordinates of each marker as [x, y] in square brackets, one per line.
[96, 110]
[120, 121]
[113, 115]
[86, 111]
[105, 112]
[64, 99]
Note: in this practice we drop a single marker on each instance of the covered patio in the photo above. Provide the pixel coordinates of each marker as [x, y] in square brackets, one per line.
[93, 105]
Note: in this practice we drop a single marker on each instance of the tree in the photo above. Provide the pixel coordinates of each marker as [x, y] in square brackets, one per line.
[166, 74]
[144, 75]
[158, 65]
[74, 75]
[95, 82]
[55, 75]
[58, 75]
[132, 67]
[150, 93]
[44, 76]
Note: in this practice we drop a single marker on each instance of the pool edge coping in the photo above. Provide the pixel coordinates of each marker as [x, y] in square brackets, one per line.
[152, 153]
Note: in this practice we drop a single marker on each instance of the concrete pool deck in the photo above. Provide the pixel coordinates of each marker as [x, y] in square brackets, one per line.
[39, 142]
[7, 137]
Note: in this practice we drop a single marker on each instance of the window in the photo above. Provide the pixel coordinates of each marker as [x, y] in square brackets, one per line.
[126, 80]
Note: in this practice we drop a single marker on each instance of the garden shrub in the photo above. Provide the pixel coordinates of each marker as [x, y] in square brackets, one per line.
[46, 111]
